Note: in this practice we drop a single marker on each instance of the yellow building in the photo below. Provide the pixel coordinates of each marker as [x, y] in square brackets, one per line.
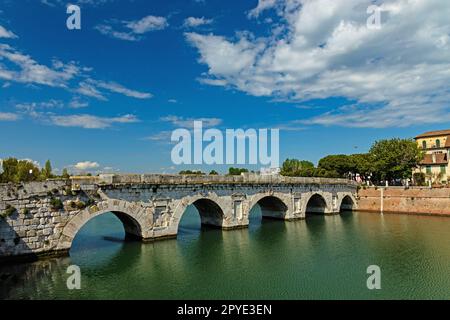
[436, 146]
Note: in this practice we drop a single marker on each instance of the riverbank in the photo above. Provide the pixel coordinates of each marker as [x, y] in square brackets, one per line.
[414, 200]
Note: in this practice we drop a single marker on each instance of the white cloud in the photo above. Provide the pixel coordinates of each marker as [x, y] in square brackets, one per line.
[52, 3]
[397, 75]
[147, 24]
[4, 33]
[24, 69]
[189, 122]
[89, 90]
[133, 30]
[262, 6]
[224, 57]
[109, 31]
[160, 136]
[90, 121]
[193, 22]
[30, 71]
[86, 165]
[8, 116]
[77, 103]
[117, 88]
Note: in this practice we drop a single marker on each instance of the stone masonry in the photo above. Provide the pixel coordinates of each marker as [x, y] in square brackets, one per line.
[43, 218]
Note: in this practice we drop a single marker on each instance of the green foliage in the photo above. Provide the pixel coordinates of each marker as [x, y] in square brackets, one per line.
[25, 211]
[296, 168]
[19, 171]
[340, 163]
[361, 164]
[46, 172]
[65, 174]
[10, 210]
[191, 172]
[213, 173]
[419, 178]
[394, 158]
[236, 171]
[56, 204]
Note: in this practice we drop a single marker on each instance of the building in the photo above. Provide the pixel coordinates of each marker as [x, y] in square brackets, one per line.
[270, 171]
[436, 146]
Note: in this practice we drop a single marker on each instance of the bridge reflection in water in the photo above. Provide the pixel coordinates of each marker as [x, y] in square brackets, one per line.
[320, 257]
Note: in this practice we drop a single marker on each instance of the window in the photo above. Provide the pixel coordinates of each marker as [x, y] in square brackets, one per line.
[428, 169]
[424, 144]
[438, 143]
[443, 169]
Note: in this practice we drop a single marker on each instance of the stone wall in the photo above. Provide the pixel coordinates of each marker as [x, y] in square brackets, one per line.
[400, 200]
[31, 223]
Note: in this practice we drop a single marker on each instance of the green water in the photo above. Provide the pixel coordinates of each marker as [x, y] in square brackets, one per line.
[318, 258]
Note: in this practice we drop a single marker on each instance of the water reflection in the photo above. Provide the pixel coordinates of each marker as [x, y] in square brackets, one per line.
[320, 257]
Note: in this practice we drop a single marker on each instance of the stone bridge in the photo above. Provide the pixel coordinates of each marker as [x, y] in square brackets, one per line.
[43, 218]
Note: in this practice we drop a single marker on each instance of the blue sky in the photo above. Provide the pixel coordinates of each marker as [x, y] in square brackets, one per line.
[106, 97]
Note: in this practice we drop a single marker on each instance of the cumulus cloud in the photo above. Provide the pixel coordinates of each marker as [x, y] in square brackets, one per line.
[132, 30]
[86, 165]
[397, 75]
[262, 6]
[193, 22]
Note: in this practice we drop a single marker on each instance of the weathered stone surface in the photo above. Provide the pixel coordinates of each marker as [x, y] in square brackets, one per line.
[151, 206]
[420, 200]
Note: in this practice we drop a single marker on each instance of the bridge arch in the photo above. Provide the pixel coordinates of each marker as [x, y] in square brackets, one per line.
[273, 205]
[210, 207]
[132, 217]
[316, 203]
[347, 203]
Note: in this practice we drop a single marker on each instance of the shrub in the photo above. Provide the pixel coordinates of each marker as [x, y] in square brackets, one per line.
[419, 178]
[9, 210]
[56, 204]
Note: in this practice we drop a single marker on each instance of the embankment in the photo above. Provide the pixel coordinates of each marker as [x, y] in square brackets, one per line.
[414, 200]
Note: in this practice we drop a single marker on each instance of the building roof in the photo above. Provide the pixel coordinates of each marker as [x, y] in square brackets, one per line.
[434, 134]
[441, 158]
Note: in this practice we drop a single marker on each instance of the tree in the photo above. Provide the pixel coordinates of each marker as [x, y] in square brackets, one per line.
[213, 173]
[394, 159]
[9, 170]
[26, 171]
[362, 165]
[236, 171]
[340, 163]
[19, 171]
[295, 167]
[191, 172]
[47, 170]
[65, 174]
